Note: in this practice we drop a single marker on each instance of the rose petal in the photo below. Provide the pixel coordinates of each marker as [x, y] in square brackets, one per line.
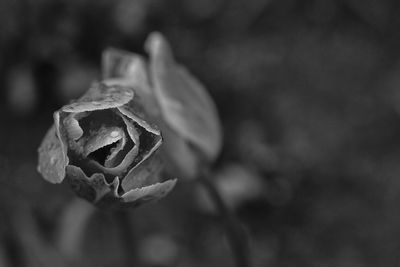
[144, 174]
[132, 131]
[184, 102]
[148, 144]
[113, 159]
[104, 136]
[121, 168]
[101, 96]
[118, 63]
[148, 193]
[128, 69]
[122, 64]
[179, 156]
[91, 188]
[52, 158]
[72, 127]
[135, 111]
[99, 128]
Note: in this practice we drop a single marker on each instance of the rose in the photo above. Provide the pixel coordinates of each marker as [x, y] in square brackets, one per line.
[106, 148]
[106, 143]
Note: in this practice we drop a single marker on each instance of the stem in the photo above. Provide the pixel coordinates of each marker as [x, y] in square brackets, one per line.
[73, 223]
[237, 236]
[127, 237]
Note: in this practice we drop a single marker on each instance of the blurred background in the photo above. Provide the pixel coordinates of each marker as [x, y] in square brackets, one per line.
[308, 94]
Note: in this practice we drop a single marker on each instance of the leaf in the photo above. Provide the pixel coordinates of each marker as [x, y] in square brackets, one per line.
[33, 247]
[52, 157]
[148, 193]
[185, 104]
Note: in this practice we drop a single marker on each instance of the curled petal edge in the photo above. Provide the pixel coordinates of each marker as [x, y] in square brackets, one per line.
[95, 188]
[142, 175]
[101, 96]
[92, 188]
[152, 128]
[150, 192]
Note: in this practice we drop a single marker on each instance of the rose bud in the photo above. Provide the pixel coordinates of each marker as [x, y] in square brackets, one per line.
[183, 109]
[105, 146]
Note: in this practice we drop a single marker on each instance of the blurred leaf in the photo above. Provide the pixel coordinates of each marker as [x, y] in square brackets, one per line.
[185, 103]
[236, 184]
[4, 262]
[75, 79]
[158, 250]
[130, 15]
[37, 251]
[21, 90]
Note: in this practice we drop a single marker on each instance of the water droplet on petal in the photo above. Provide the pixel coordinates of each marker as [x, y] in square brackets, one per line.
[114, 134]
[53, 160]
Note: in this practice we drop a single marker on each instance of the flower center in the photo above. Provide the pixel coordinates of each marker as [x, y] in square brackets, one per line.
[102, 154]
[107, 141]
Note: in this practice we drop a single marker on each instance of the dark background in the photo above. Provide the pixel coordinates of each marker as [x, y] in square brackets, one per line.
[309, 98]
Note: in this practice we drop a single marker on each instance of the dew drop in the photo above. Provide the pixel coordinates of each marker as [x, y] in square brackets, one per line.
[114, 134]
[53, 160]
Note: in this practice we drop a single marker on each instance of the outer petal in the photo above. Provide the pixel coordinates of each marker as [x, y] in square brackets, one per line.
[149, 193]
[129, 69]
[142, 175]
[101, 96]
[52, 157]
[180, 157]
[185, 104]
[97, 190]
[92, 188]
[117, 63]
[136, 112]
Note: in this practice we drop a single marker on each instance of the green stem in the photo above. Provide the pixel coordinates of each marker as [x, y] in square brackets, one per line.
[238, 239]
